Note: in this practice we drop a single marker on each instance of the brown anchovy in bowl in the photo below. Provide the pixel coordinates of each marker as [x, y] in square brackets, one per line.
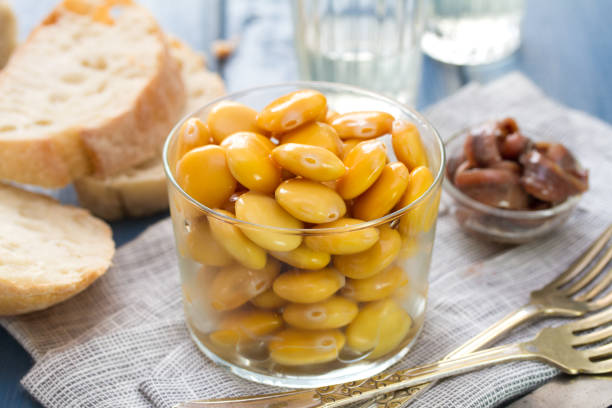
[501, 167]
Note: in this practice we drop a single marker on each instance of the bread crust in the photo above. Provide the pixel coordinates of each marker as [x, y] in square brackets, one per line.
[24, 293]
[107, 148]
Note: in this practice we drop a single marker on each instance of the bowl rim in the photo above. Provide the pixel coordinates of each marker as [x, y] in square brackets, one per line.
[464, 199]
[439, 176]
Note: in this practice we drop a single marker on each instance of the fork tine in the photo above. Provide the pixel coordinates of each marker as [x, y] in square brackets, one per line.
[593, 337]
[600, 303]
[601, 351]
[588, 278]
[602, 284]
[586, 258]
[591, 322]
[603, 366]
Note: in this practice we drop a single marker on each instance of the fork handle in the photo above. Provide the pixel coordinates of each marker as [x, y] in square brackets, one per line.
[490, 334]
[343, 394]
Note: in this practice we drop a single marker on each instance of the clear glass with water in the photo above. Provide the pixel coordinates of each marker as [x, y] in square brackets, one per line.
[374, 44]
[472, 32]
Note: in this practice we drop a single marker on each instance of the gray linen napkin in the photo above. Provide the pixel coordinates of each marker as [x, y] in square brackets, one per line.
[123, 343]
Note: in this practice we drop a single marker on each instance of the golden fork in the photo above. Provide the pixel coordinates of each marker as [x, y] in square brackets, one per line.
[558, 346]
[559, 298]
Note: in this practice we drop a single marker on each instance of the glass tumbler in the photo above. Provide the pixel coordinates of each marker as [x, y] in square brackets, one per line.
[341, 326]
[374, 44]
[472, 32]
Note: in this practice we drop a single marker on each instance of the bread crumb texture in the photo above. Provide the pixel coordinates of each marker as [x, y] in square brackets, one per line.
[48, 251]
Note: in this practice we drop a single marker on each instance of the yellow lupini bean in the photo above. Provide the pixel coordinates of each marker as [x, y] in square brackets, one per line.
[295, 347]
[229, 117]
[343, 243]
[331, 313]
[268, 300]
[203, 248]
[348, 146]
[235, 285]
[192, 134]
[379, 199]
[204, 174]
[248, 158]
[421, 217]
[302, 286]
[330, 115]
[315, 134]
[371, 261]
[312, 162]
[292, 110]
[231, 238]
[303, 257]
[364, 164]
[375, 287]
[407, 144]
[378, 328]
[362, 125]
[260, 209]
[309, 201]
[244, 326]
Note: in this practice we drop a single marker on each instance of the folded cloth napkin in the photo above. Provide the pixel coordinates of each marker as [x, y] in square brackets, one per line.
[123, 343]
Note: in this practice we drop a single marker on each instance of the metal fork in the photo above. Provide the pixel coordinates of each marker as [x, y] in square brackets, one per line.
[557, 346]
[556, 299]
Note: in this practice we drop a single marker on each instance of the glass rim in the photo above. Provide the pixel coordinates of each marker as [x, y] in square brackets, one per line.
[500, 212]
[307, 231]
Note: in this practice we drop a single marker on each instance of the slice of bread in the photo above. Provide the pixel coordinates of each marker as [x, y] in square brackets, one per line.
[141, 191]
[93, 90]
[48, 251]
[8, 32]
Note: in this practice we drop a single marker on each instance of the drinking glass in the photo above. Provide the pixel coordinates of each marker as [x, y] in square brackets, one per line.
[374, 44]
[472, 32]
[234, 313]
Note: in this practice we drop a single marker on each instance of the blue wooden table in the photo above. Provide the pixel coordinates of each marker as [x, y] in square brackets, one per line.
[567, 51]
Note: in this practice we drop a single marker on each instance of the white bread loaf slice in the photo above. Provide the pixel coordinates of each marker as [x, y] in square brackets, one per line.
[93, 90]
[48, 251]
[142, 191]
[8, 32]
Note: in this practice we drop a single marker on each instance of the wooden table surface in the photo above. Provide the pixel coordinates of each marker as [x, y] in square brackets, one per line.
[567, 51]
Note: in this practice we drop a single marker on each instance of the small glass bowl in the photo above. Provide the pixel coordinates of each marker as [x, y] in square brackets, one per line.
[227, 339]
[496, 224]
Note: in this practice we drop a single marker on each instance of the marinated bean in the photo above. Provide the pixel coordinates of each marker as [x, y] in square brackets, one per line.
[263, 210]
[379, 199]
[235, 285]
[315, 134]
[371, 261]
[343, 243]
[331, 313]
[248, 158]
[378, 328]
[203, 248]
[303, 257]
[422, 217]
[309, 201]
[312, 162]
[229, 117]
[192, 134]
[231, 238]
[245, 326]
[300, 286]
[330, 115]
[295, 347]
[362, 125]
[203, 173]
[364, 164]
[268, 300]
[375, 287]
[407, 144]
[292, 110]
[348, 146]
